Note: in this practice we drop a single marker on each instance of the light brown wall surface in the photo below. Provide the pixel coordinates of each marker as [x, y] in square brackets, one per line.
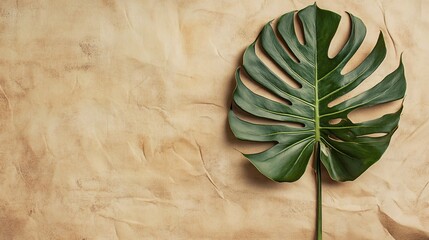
[113, 126]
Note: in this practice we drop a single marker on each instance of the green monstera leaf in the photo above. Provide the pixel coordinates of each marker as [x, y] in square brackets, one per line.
[345, 149]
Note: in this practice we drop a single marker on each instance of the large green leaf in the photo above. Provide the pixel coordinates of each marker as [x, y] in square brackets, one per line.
[347, 149]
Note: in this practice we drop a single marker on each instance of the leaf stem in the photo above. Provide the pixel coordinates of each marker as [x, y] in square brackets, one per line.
[319, 193]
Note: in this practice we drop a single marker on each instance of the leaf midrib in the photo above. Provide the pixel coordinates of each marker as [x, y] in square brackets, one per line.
[316, 92]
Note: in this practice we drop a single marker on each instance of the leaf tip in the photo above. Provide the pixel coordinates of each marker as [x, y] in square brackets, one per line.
[316, 6]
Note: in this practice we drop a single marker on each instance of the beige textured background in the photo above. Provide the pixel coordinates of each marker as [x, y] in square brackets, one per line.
[113, 126]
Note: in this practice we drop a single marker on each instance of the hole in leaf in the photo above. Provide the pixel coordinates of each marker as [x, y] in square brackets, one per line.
[274, 67]
[335, 121]
[335, 138]
[375, 135]
[299, 30]
[258, 120]
[370, 113]
[341, 36]
[260, 90]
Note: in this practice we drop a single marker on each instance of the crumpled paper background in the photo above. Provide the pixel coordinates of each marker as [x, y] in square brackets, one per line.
[113, 126]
